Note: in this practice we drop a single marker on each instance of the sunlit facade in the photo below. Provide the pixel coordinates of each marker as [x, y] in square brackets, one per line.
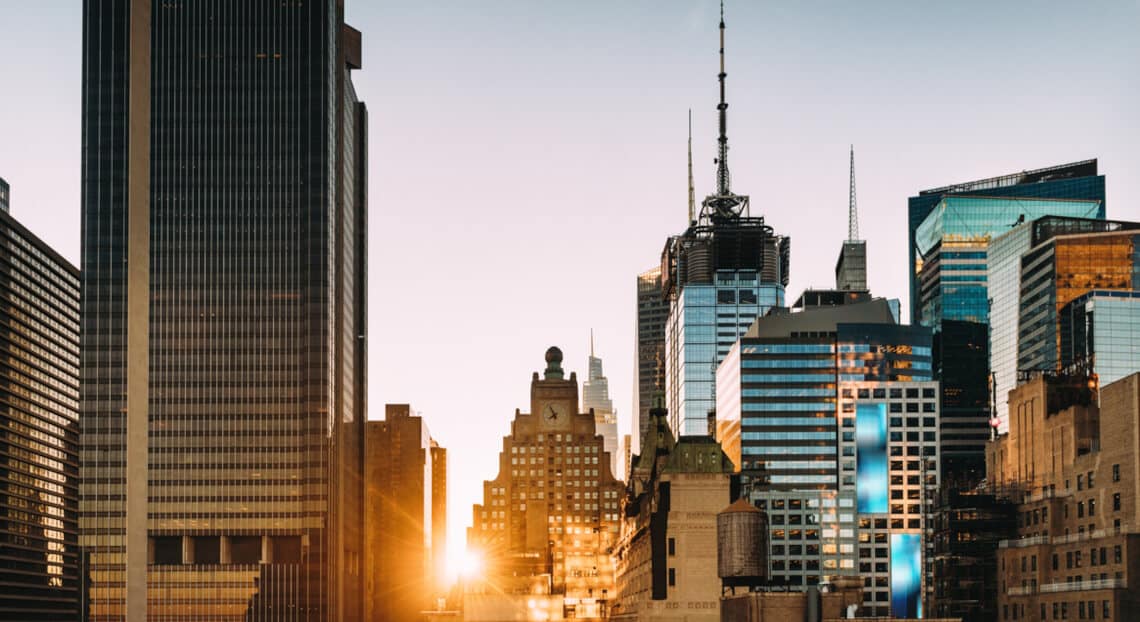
[1058, 271]
[39, 446]
[223, 199]
[549, 517]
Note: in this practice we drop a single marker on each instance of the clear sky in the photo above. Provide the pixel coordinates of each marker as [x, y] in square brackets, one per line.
[527, 159]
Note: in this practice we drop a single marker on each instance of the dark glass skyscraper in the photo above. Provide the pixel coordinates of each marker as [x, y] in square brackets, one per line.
[223, 195]
[652, 315]
[39, 442]
[950, 229]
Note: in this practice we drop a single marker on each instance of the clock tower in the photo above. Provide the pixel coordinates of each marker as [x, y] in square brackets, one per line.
[549, 517]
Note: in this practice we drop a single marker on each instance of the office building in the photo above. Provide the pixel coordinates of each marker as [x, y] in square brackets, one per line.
[950, 230]
[888, 457]
[1004, 275]
[596, 399]
[1056, 272]
[851, 268]
[1070, 466]
[1100, 332]
[776, 390]
[665, 557]
[725, 270]
[652, 316]
[550, 515]
[401, 524]
[968, 526]
[439, 516]
[39, 413]
[223, 335]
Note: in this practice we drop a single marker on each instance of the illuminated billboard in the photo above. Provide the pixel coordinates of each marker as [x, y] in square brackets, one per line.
[906, 575]
[871, 458]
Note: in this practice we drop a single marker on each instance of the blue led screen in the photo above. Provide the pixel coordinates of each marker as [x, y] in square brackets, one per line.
[906, 575]
[871, 458]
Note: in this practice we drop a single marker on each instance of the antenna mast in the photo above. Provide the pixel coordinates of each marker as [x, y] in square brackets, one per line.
[692, 199]
[852, 210]
[723, 205]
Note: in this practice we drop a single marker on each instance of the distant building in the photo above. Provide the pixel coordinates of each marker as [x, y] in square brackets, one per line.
[851, 268]
[1071, 466]
[401, 569]
[950, 229]
[665, 558]
[40, 559]
[550, 516]
[596, 398]
[652, 315]
[439, 516]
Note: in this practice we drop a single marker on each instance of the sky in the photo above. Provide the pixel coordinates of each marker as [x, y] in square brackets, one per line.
[527, 159]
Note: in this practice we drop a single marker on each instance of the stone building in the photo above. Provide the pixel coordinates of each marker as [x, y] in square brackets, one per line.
[550, 515]
[1072, 467]
[665, 557]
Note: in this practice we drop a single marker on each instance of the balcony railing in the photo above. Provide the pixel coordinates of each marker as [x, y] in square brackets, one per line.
[1081, 586]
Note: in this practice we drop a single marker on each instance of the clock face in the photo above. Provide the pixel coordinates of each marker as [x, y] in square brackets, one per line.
[555, 414]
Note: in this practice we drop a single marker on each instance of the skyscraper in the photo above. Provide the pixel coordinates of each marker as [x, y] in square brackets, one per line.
[725, 270]
[550, 515]
[950, 229]
[1003, 261]
[596, 397]
[39, 408]
[400, 515]
[652, 315]
[851, 269]
[223, 405]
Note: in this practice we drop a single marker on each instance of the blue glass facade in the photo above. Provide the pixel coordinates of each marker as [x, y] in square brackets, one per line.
[949, 231]
[704, 323]
[871, 464]
[1101, 330]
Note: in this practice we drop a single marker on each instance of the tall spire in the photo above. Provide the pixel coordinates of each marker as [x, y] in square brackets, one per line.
[591, 342]
[852, 213]
[692, 199]
[722, 177]
[723, 205]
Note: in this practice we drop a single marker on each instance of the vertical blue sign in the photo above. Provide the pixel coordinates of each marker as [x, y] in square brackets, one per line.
[871, 458]
[906, 575]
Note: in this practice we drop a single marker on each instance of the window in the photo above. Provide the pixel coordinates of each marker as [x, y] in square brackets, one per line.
[1092, 507]
[1116, 502]
[1117, 556]
[1116, 472]
[1089, 477]
[672, 547]
[1080, 482]
[672, 577]
[1106, 611]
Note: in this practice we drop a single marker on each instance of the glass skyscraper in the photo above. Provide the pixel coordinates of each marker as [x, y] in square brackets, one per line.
[222, 392]
[39, 446]
[652, 315]
[950, 229]
[1061, 269]
[1004, 275]
[596, 397]
[1101, 330]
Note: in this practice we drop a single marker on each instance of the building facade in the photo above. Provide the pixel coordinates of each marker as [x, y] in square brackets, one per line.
[950, 232]
[401, 525]
[1059, 270]
[596, 399]
[888, 459]
[223, 335]
[550, 515]
[1100, 332]
[968, 527]
[665, 557]
[40, 559]
[652, 316]
[1070, 466]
